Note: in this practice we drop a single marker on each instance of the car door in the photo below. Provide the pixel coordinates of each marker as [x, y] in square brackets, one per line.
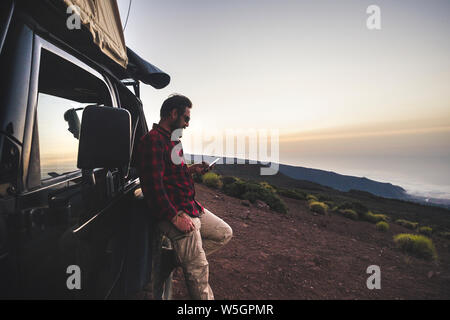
[72, 235]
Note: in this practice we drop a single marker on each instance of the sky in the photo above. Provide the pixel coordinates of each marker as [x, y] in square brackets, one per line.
[373, 103]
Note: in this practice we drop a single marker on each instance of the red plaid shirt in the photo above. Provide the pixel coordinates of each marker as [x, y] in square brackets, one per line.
[167, 187]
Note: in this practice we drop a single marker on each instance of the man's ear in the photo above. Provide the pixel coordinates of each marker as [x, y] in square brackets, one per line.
[174, 114]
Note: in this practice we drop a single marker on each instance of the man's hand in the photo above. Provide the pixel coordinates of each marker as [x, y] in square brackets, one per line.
[183, 222]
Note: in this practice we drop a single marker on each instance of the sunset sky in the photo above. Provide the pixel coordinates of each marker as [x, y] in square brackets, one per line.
[372, 103]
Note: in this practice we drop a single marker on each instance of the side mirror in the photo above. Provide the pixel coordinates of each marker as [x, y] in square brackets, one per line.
[105, 139]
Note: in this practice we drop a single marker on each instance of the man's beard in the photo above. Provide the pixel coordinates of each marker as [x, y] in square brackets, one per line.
[176, 126]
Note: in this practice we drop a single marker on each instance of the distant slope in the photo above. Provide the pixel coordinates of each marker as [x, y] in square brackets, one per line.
[343, 182]
[315, 176]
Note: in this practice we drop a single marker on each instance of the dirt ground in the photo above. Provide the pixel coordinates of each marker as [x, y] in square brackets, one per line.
[303, 256]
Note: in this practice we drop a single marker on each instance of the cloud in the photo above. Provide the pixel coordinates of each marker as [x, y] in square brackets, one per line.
[409, 127]
[358, 133]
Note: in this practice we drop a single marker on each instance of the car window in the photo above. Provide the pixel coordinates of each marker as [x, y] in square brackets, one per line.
[64, 91]
[58, 146]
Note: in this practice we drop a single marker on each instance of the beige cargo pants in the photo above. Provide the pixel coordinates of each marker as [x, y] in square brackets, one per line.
[210, 234]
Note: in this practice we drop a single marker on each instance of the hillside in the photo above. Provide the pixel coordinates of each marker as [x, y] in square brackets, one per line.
[304, 256]
[436, 217]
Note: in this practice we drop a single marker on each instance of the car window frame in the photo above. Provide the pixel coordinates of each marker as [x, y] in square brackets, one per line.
[39, 45]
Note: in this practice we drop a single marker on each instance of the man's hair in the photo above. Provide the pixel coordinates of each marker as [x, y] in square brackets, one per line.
[175, 101]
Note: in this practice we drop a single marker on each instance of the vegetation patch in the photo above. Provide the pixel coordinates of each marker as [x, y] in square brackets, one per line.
[311, 197]
[251, 196]
[425, 231]
[407, 224]
[253, 191]
[235, 189]
[268, 187]
[212, 180]
[229, 180]
[359, 208]
[374, 218]
[292, 193]
[417, 245]
[318, 207]
[382, 226]
[349, 213]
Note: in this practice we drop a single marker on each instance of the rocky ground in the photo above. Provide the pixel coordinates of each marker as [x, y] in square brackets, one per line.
[306, 256]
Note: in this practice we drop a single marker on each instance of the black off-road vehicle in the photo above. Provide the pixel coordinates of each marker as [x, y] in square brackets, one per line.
[71, 225]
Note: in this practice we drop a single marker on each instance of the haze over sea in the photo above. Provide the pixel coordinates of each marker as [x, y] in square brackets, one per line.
[414, 176]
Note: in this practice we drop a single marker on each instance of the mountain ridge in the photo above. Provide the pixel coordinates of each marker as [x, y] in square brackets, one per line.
[322, 177]
[344, 182]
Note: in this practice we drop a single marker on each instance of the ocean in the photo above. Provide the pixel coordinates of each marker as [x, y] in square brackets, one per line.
[426, 177]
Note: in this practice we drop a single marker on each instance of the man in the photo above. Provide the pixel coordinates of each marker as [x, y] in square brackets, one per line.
[167, 185]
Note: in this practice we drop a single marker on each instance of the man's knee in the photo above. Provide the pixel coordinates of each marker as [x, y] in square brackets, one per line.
[228, 234]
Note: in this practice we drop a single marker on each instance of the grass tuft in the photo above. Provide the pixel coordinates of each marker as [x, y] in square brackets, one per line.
[407, 224]
[374, 218]
[382, 226]
[425, 231]
[417, 245]
[311, 197]
[212, 180]
[349, 213]
[318, 207]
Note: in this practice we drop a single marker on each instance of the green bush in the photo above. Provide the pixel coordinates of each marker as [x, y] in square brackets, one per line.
[407, 224]
[235, 189]
[311, 197]
[267, 195]
[374, 218]
[229, 180]
[251, 196]
[356, 206]
[426, 231]
[382, 226]
[417, 245]
[276, 204]
[292, 193]
[318, 207]
[253, 191]
[212, 180]
[268, 187]
[349, 213]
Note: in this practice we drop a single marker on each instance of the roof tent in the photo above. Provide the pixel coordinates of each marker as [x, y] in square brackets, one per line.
[102, 19]
[100, 36]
